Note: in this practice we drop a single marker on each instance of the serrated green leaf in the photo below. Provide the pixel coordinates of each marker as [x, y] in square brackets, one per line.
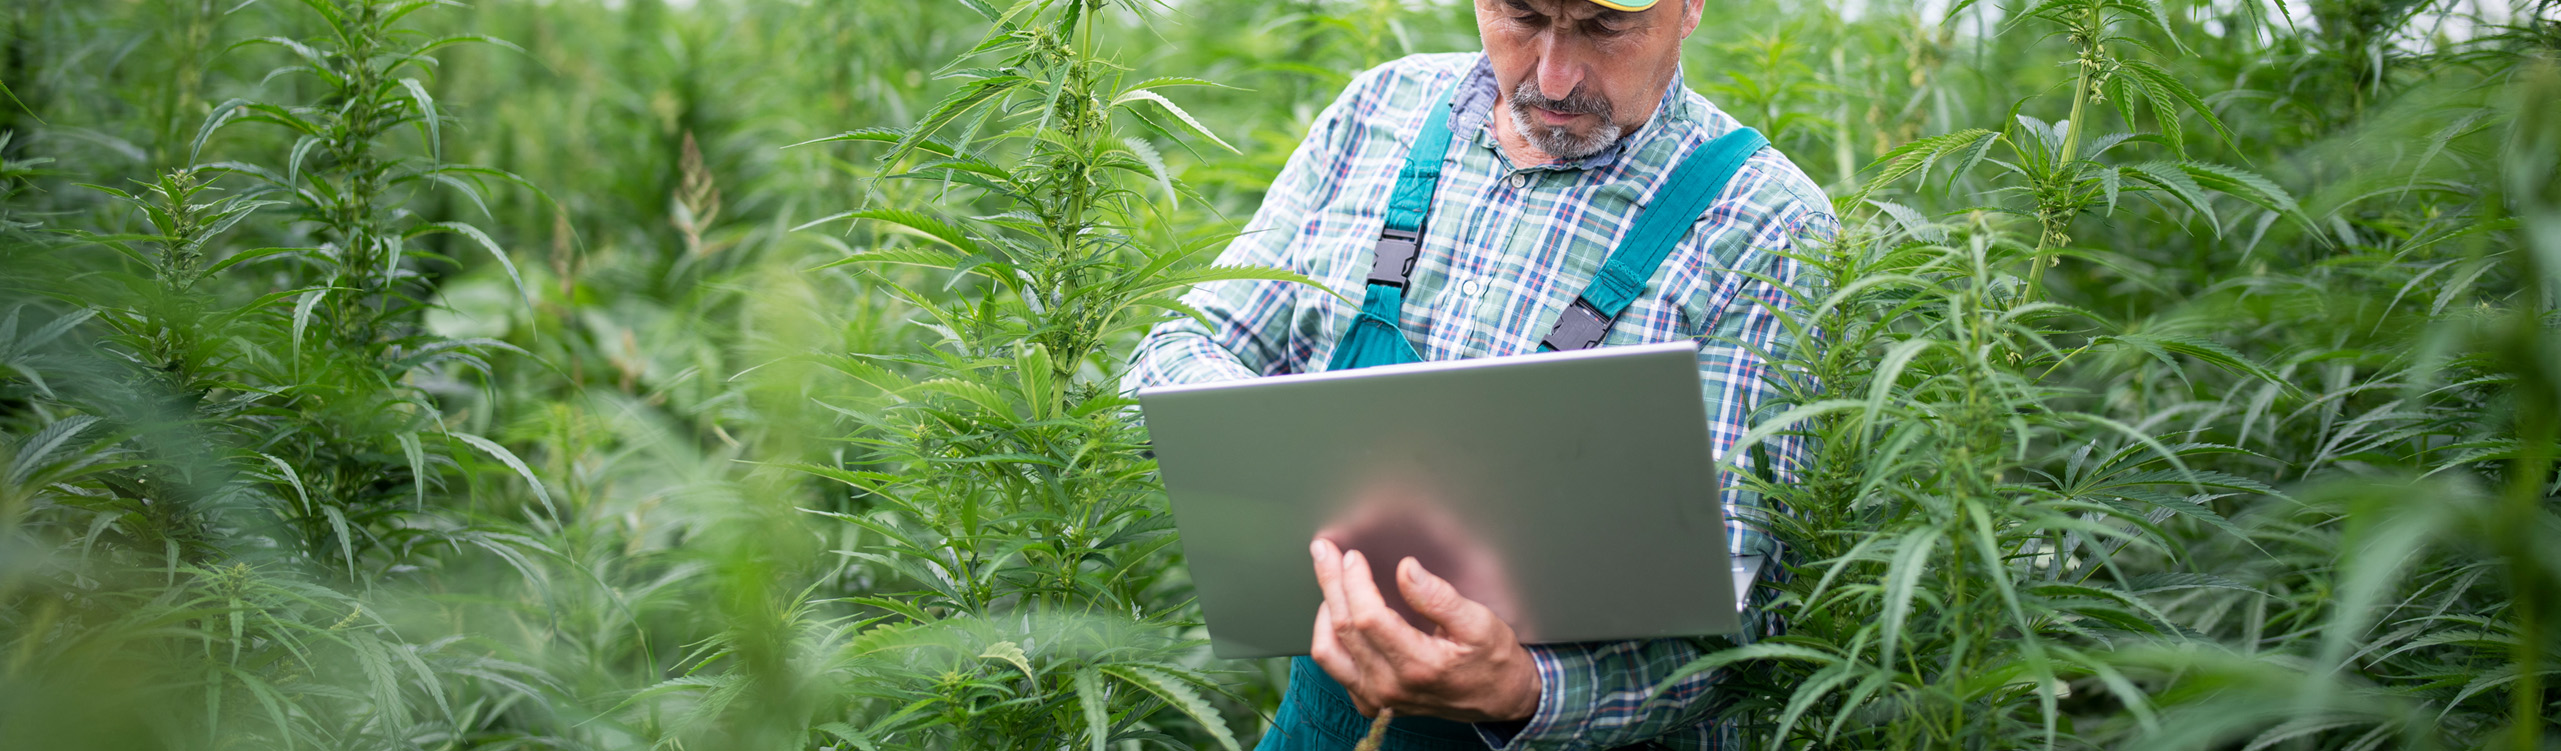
[1902, 576]
[1089, 697]
[302, 317]
[923, 224]
[1914, 157]
[927, 257]
[1137, 95]
[1012, 653]
[495, 252]
[426, 117]
[508, 458]
[2171, 179]
[1180, 695]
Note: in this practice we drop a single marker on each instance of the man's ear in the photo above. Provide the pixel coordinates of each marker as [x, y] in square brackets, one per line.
[1690, 12]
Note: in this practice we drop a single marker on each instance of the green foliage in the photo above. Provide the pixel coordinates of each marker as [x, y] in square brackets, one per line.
[204, 481]
[2023, 509]
[1002, 475]
[2183, 376]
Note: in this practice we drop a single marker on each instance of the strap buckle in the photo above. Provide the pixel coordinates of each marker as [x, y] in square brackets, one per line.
[1394, 260]
[1581, 327]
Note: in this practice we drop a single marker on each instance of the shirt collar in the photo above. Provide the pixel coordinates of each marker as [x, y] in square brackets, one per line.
[1472, 111]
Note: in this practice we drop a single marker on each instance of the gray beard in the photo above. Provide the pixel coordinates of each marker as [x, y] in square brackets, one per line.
[1558, 142]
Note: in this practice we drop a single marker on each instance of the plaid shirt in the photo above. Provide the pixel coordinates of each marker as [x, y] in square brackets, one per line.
[1505, 250]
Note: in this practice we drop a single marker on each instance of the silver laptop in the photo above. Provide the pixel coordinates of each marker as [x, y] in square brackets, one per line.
[1573, 492]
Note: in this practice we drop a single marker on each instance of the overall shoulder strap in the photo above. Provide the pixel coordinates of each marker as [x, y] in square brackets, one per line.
[1411, 205]
[1375, 336]
[1686, 194]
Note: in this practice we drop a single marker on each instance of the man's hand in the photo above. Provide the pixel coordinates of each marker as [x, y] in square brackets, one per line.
[1470, 668]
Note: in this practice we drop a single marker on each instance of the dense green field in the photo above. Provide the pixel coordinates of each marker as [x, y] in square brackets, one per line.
[729, 374]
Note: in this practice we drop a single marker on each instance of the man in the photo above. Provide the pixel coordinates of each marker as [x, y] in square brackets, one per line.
[1479, 199]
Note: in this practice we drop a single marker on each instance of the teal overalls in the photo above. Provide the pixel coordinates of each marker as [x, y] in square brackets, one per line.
[1315, 713]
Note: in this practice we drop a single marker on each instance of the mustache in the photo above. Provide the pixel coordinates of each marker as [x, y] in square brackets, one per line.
[1577, 102]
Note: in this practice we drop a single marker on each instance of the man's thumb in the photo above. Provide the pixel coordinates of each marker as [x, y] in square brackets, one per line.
[1436, 599]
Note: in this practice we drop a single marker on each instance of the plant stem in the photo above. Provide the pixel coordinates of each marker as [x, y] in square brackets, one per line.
[2055, 218]
[2081, 86]
[1841, 137]
[2529, 477]
[1377, 731]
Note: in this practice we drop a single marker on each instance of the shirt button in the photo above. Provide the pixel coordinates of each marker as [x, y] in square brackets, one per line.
[1520, 179]
[1472, 287]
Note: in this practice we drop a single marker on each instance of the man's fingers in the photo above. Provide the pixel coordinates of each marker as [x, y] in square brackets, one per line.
[1385, 630]
[1460, 619]
[1329, 574]
[1329, 564]
[1329, 653]
[1360, 590]
[1351, 647]
[1351, 664]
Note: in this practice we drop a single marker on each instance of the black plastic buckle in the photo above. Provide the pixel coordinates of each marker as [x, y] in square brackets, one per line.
[1581, 327]
[1394, 263]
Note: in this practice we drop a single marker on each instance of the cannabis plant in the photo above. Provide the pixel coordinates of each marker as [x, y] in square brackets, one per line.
[1017, 552]
[1978, 465]
[185, 490]
[363, 441]
[2054, 172]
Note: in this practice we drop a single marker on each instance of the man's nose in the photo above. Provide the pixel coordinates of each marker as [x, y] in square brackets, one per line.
[1560, 67]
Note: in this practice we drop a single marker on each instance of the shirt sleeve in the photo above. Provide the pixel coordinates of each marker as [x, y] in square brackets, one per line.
[1243, 329]
[1601, 695]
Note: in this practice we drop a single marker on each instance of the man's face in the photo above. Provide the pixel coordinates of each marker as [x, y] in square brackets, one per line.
[1576, 76]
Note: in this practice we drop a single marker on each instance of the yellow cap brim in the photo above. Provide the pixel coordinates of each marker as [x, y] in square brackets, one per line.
[1625, 5]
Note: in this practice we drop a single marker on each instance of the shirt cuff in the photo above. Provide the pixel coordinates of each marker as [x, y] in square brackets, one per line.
[1543, 722]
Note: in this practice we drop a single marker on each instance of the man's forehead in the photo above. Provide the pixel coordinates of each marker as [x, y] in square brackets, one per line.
[1608, 10]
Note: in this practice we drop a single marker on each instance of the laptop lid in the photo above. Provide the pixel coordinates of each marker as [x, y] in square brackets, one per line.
[1574, 493]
